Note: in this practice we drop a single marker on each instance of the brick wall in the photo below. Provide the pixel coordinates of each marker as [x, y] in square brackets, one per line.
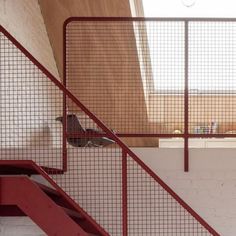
[20, 226]
[209, 187]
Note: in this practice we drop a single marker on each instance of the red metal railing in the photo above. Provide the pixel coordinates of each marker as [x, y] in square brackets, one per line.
[152, 76]
[110, 183]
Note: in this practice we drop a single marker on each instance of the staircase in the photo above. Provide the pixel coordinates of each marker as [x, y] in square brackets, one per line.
[92, 191]
[46, 205]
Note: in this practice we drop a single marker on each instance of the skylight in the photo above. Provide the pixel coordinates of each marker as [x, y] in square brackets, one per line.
[212, 46]
[189, 8]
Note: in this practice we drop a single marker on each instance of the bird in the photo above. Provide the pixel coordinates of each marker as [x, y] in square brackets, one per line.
[74, 127]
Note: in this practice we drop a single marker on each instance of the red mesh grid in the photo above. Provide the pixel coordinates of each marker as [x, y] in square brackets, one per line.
[138, 71]
[110, 183]
[136, 82]
[153, 211]
[132, 75]
[94, 177]
[212, 84]
[29, 104]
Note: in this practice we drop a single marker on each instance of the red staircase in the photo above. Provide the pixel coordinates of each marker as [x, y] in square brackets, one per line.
[93, 191]
[44, 206]
[47, 205]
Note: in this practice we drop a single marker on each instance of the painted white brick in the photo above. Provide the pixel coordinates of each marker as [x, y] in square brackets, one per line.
[20, 226]
[210, 186]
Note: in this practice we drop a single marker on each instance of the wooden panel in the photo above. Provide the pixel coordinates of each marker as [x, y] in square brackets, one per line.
[57, 11]
[119, 102]
[105, 75]
[203, 109]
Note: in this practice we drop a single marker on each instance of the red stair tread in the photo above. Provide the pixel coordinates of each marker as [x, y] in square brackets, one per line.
[24, 169]
[72, 214]
[48, 190]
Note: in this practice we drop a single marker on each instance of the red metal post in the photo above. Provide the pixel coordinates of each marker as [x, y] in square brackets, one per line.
[64, 143]
[124, 193]
[186, 155]
[186, 150]
[64, 122]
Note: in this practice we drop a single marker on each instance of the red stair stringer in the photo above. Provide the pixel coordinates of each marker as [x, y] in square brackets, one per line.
[29, 197]
[21, 191]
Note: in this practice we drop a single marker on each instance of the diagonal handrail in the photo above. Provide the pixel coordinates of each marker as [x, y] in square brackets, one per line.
[110, 134]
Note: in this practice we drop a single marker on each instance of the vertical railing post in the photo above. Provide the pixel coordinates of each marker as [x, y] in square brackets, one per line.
[186, 97]
[124, 194]
[64, 134]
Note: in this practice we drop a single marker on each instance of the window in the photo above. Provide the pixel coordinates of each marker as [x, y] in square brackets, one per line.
[166, 47]
[212, 47]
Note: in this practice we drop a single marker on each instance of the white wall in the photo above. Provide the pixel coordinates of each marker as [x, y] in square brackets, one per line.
[23, 19]
[209, 187]
[29, 101]
[19, 226]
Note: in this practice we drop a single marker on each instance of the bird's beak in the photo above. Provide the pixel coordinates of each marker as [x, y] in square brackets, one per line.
[60, 118]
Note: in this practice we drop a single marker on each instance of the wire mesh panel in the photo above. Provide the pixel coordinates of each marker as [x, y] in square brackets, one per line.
[94, 169]
[132, 75]
[212, 84]
[153, 211]
[29, 104]
[31, 122]
[129, 73]
[124, 198]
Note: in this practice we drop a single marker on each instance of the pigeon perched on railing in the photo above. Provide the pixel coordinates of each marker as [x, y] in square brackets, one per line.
[74, 127]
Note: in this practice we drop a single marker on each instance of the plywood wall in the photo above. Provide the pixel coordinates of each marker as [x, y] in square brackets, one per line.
[168, 111]
[103, 71]
[101, 94]
[55, 12]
